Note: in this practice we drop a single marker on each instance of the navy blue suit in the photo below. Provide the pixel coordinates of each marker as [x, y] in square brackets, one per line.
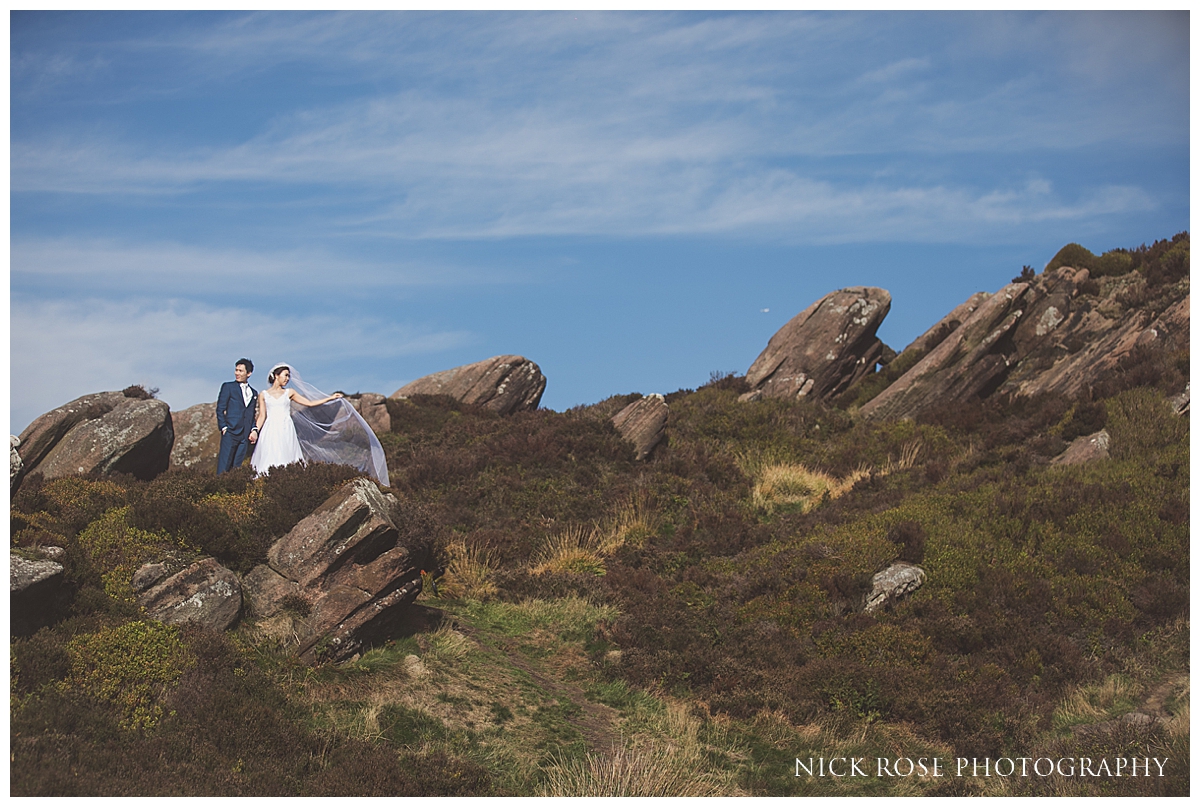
[235, 418]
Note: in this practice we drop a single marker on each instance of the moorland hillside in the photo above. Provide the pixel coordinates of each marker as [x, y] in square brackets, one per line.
[590, 618]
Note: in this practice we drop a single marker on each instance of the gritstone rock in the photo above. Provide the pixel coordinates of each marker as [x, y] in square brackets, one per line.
[503, 384]
[893, 584]
[1084, 449]
[373, 408]
[103, 433]
[643, 423]
[205, 593]
[197, 437]
[824, 349]
[356, 568]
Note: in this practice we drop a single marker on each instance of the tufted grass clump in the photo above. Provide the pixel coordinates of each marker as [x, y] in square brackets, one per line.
[794, 486]
[132, 667]
[469, 574]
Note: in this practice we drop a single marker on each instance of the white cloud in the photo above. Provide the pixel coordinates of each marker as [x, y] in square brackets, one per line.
[628, 124]
[61, 350]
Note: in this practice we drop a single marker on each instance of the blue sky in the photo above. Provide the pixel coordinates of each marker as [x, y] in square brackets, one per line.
[632, 200]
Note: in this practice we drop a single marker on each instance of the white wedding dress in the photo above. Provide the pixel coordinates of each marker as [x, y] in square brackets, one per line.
[277, 441]
[332, 432]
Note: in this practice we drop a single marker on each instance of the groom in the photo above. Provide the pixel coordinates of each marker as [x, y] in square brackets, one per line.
[236, 409]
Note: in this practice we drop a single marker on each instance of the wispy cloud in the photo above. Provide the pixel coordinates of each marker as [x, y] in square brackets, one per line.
[78, 267]
[609, 123]
[187, 349]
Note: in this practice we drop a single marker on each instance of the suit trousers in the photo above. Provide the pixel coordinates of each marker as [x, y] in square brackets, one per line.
[232, 453]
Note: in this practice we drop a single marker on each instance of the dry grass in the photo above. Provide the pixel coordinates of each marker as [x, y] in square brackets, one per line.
[782, 483]
[667, 758]
[575, 549]
[789, 484]
[1113, 697]
[469, 574]
[583, 549]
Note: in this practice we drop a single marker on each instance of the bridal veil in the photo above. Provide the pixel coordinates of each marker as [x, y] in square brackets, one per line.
[335, 432]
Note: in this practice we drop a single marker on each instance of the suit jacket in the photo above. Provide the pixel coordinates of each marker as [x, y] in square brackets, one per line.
[233, 413]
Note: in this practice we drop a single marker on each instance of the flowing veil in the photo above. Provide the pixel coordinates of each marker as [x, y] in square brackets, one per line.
[335, 432]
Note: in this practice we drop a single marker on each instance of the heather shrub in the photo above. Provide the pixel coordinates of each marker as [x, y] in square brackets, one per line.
[116, 549]
[131, 667]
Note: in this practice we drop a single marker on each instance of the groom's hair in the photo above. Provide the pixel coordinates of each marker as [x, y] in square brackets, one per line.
[249, 364]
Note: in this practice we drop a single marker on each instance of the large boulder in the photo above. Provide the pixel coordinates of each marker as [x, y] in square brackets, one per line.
[373, 408]
[504, 384]
[824, 349]
[197, 438]
[205, 593]
[347, 573]
[643, 423]
[106, 432]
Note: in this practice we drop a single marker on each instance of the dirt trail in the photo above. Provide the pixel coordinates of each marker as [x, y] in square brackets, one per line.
[596, 723]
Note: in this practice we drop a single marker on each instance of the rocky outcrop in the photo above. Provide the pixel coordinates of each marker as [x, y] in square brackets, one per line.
[824, 349]
[106, 432]
[346, 573]
[205, 593]
[504, 384]
[197, 438]
[1035, 337]
[373, 408]
[894, 584]
[942, 328]
[14, 461]
[36, 589]
[1087, 448]
[643, 423]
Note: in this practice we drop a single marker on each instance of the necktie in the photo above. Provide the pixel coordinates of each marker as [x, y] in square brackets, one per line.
[246, 394]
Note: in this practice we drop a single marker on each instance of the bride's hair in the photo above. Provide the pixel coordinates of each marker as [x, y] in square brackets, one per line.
[275, 372]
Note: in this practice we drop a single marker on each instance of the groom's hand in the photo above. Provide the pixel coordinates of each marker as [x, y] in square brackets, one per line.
[253, 438]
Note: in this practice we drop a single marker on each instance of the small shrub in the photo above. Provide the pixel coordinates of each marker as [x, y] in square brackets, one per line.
[130, 666]
[117, 549]
[909, 537]
[139, 393]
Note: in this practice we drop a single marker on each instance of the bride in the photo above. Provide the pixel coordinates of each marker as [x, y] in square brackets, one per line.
[298, 423]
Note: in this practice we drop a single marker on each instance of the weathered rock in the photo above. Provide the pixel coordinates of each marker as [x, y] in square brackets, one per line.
[643, 423]
[1182, 403]
[894, 584]
[963, 364]
[373, 408]
[355, 566]
[264, 589]
[37, 592]
[943, 327]
[25, 574]
[204, 593]
[504, 384]
[1088, 448]
[1041, 337]
[197, 437]
[104, 433]
[147, 575]
[823, 349]
[14, 460]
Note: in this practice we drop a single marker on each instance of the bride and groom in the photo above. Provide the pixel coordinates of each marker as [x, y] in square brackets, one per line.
[292, 422]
